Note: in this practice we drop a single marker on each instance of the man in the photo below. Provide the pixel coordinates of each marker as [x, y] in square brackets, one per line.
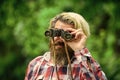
[67, 59]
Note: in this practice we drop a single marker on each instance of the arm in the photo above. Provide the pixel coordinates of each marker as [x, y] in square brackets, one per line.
[33, 67]
[90, 69]
[29, 71]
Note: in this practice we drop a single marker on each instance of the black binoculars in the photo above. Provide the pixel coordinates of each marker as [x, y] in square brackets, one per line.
[53, 32]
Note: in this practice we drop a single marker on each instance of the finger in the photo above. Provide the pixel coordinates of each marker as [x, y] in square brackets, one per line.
[76, 31]
[79, 35]
[70, 29]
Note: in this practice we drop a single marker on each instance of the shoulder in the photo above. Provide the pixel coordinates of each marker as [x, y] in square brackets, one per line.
[38, 59]
[33, 66]
[35, 60]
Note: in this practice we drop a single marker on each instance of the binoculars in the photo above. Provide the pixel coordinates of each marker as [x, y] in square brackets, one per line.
[53, 32]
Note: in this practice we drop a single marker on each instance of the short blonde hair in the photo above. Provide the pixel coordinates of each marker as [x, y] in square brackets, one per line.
[74, 19]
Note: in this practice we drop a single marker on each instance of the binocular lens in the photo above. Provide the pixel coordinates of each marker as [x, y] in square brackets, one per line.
[47, 33]
[68, 36]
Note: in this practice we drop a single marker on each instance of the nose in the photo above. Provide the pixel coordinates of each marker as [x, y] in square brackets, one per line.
[58, 38]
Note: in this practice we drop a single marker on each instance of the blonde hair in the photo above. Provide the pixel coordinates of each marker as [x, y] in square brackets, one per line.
[74, 19]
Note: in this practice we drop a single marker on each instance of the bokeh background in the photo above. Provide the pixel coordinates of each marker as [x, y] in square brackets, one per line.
[23, 23]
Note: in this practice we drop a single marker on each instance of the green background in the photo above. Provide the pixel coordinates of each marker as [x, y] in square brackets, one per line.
[23, 23]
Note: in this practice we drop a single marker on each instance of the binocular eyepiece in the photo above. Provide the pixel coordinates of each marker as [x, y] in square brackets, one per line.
[53, 32]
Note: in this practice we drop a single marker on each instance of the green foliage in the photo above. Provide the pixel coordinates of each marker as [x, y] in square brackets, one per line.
[22, 26]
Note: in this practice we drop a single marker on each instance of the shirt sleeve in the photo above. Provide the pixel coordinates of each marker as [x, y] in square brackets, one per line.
[29, 71]
[32, 68]
[90, 68]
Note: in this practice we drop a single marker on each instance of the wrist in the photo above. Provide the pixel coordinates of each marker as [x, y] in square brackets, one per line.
[83, 52]
[79, 48]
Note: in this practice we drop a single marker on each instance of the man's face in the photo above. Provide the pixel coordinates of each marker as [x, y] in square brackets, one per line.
[59, 46]
[58, 40]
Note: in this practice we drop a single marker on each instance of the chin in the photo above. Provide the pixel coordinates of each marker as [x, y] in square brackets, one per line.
[59, 50]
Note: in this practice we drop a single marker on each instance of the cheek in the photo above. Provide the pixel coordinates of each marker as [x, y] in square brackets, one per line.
[55, 38]
[51, 40]
[50, 43]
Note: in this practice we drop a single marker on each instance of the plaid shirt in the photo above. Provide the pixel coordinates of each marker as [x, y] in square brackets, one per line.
[84, 67]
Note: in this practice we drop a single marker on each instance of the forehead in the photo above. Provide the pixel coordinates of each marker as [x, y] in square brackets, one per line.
[62, 25]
